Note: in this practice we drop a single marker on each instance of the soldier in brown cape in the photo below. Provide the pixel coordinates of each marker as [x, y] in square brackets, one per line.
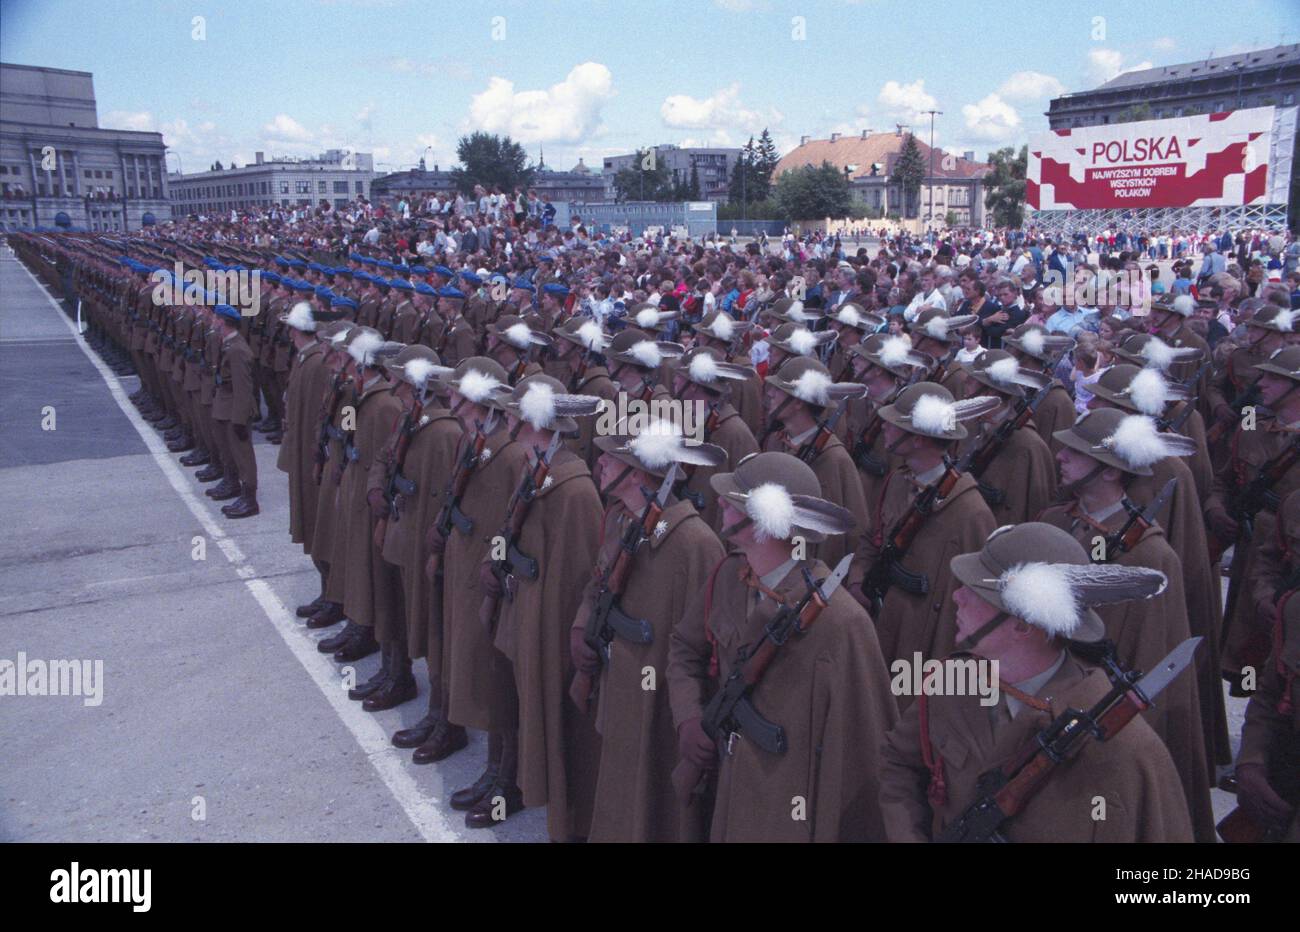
[1038, 351]
[827, 687]
[233, 409]
[853, 324]
[1145, 391]
[211, 357]
[939, 335]
[456, 337]
[532, 602]
[721, 331]
[476, 676]
[420, 485]
[1267, 331]
[1100, 454]
[270, 339]
[802, 397]
[580, 346]
[1268, 767]
[1274, 430]
[372, 592]
[885, 365]
[1168, 403]
[405, 317]
[634, 799]
[790, 341]
[1016, 605]
[196, 376]
[1168, 321]
[702, 377]
[920, 427]
[1019, 481]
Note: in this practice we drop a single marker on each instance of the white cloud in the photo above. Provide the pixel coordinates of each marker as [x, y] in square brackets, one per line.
[1164, 44]
[992, 119]
[1030, 85]
[720, 112]
[906, 101]
[285, 128]
[141, 121]
[1104, 64]
[566, 112]
[735, 6]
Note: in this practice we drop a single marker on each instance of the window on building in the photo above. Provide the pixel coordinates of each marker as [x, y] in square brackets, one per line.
[360, 190]
[341, 202]
[130, 191]
[88, 175]
[320, 186]
[302, 187]
[340, 187]
[284, 188]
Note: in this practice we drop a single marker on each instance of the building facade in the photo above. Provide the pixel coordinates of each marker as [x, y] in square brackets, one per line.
[60, 170]
[714, 167]
[337, 176]
[952, 189]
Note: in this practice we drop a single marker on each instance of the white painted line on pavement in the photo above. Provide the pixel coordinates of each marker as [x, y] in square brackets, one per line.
[423, 810]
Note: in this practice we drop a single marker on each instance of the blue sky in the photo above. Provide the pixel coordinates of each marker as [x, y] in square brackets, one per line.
[393, 77]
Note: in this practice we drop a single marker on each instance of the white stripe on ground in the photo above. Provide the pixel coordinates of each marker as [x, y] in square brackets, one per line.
[423, 810]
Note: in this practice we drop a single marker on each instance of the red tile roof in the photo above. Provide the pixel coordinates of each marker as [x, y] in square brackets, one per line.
[884, 148]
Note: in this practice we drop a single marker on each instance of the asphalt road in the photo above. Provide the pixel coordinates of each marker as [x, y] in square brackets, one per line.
[219, 720]
[215, 701]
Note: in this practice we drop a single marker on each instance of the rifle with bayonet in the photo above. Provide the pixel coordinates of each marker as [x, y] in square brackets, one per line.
[329, 410]
[515, 562]
[1245, 505]
[607, 618]
[450, 514]
[867, 439]
[406, 428]
[980, 457]
[1005, 791]
[887, 570]
[1247, 398]
[688, 470]
[1126, 537]
[810, 450]
[730, 712]
[1186, 388]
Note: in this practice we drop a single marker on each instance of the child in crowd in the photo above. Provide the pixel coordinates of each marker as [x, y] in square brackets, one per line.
[970, 347]
[1092, 357]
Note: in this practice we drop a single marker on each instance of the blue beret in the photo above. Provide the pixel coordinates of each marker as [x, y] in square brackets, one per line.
[282, 262]
[419, 270]
[425, 289]
[471, 278]
[380, 281]
[297, 264]
[339, 300]
[315, 267]
[348, 302]
[301, 285]
[356, 257]
[523, 284]
[402, 284]
[271, 277]
[225, 310]
[448, 291]
[343, 270]
[444, 271]
[402, 269]
[369, 260]
[546, 259]
[323, 291]
[210, 260]
[385, 264]
[556, 288]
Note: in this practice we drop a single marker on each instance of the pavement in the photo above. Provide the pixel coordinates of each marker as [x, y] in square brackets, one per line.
[219, 719]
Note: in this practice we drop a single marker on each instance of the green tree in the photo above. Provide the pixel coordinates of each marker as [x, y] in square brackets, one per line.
[693, 189]
[1134, 113]
[489, 159]
[641, 184]
[809, 193]
[909, 172]
[1004, 186]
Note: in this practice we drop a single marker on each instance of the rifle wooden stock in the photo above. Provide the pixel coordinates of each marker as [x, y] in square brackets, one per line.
[1239, 828]
[516, 514]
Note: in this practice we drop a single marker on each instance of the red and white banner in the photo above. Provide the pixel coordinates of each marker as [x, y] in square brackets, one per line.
[1214, 160]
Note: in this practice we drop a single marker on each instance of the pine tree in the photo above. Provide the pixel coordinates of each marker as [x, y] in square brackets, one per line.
[693, 190]
[909, 172]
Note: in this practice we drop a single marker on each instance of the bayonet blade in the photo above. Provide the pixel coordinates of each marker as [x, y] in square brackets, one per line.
[666, 487]
[1166, 670]
[832, 582]
[556, 439]
[1153, 508]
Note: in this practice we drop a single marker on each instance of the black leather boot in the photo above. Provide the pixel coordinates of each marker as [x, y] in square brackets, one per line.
[227, 488]
[422, 730]
[400, 686]
[445, 741]
[196, 457]
[500, 802]
[360, 645]
[210, 473]
[376, 682]
[335, 641]
[466, 798]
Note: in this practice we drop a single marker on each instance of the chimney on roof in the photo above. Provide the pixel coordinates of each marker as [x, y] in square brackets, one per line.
[258, 156]
[834, 136]
[866, 133]
[969, 155]
[803, 140]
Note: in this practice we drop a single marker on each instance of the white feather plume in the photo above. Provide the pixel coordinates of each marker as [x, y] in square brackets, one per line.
[417, 371]
[647, 317]
[1285, 320]
[362, 349]
[339, 337]
[937, 327]
[933, 416]
[894, 351]
[475, 385]
[1041, 594]
[646, 352]
[1137, 441]
[772, 510]
[1004, 371]
[1033, 342]
[537, 406]
[518, 335]
[591, 335]
[1185, 305]
[300, 317]
[1149, 391]
[657, 445]
[703, 367]
[722, 327]
[811, 386]
[796, 313]
[802, 342]
[849, 315]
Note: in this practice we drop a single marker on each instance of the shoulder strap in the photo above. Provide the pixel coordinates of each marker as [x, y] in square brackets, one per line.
[708, 610]
[937, 791]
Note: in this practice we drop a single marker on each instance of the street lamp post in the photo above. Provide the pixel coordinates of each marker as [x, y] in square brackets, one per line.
[930, 212]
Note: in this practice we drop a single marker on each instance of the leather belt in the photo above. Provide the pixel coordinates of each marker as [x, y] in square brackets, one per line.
[521, 564]
[464, 523]
[404, 485]
[915, 583]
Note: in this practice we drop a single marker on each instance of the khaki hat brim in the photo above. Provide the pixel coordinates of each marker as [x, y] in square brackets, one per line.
[1122, 401]
[1274, 369]
[972, 573]
[891, 416]
[1010, 391]
[725, 485]
[1072, 440]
